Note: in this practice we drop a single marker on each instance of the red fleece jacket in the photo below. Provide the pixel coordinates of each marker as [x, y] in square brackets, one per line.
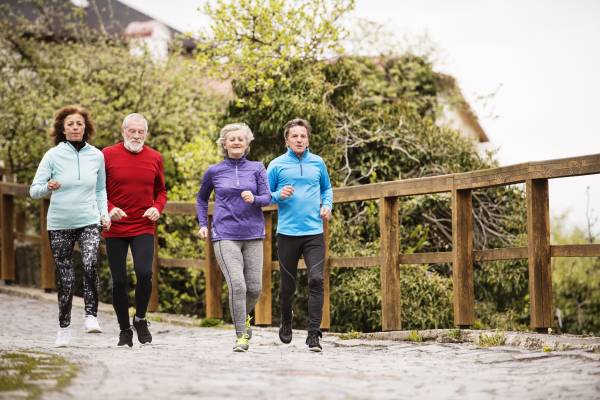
[134, 183]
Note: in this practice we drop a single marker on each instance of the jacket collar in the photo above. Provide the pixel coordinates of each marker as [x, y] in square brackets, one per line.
[70, 146]
[234, 161]
[293, 155]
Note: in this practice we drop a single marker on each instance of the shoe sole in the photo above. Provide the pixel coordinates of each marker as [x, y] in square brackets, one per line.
[94, 330]
[315, 349]
[61, 345]
[146, 344]
[125, 346]
[239, 350]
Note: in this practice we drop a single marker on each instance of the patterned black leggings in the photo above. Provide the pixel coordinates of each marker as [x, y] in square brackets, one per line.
[62, 243]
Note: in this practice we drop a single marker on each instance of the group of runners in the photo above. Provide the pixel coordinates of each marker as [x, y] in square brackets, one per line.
[119, 193]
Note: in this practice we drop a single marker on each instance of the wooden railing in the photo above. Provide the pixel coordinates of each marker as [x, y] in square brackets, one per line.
[535, 175]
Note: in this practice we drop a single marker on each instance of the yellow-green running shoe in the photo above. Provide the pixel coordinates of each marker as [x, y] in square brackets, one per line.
[248, 328]
[242, 344]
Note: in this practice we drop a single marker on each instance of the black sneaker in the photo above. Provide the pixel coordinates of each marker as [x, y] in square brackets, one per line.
[312, 341]
[126, 338]
[143, 334]
[285, 330]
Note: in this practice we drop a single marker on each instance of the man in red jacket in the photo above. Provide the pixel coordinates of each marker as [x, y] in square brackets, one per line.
[135, 188]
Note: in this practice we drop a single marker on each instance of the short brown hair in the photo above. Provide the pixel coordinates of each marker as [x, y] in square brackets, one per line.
[57, 133]
[297, 122]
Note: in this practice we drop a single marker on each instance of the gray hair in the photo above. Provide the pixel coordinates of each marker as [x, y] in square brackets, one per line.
[227, 129]
[127, 118]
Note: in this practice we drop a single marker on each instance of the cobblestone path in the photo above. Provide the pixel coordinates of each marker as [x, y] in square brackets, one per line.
[192, 363]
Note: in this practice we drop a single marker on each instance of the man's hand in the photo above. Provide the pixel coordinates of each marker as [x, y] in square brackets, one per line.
[287, 192]
[248, 196]
[53, 185]
[203, 233]
[152, 214]
[105, 223]
[325, 213]
[116, 214]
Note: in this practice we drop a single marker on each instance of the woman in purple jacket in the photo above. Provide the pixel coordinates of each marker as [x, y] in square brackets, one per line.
[238, 226]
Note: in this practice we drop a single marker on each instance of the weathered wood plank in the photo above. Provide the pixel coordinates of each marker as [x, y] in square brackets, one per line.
[425, 258]
[390, 274]
[20, 220]
[262, 312]
[181, 263]
[47, 273]
[354, 262]
[326, 319]
[540, 272]
[153, 303]
[189, 208]
[576, 250]
[357, 193]
[7, 221]
[462, 251]
[411, 187]
[510, 253]
[509, 175]
[35, 239]
[14, 189]
[214, 279]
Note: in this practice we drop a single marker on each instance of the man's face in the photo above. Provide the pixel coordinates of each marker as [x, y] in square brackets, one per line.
[134, 134]
[297, 139]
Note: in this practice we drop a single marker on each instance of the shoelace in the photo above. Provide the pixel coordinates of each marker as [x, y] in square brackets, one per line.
[64, 333]
[313, 339]
[286, 327]
[143, 326]
[248, 322]
[243, 340]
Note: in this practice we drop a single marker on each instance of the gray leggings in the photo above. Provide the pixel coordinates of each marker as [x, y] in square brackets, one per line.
[241, 262]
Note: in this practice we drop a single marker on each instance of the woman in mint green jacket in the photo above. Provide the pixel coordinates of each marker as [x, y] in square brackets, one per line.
[73, 172]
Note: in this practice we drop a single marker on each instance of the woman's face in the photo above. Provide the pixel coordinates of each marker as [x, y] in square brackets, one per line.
[74, 127]
[236, 144]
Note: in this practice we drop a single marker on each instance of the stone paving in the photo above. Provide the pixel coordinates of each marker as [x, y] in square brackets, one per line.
[192, 363]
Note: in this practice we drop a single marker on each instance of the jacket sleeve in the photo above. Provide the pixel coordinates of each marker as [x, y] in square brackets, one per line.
[326, 191]
[101, 188]
[263, 193]
[206, 189]
[109, 205]
[160, 192]
[272, 174]
[39, 187]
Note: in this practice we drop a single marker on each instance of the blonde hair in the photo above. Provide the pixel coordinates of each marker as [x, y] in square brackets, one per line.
[227, 129]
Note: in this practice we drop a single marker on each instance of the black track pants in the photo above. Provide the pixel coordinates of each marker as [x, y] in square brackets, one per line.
[62, 243]
[142, 249]
[290, 248]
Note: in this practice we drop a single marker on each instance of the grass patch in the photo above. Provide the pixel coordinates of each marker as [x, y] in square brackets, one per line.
[415, 337]
[19, 371]
[455, 334]
[350, 335]
[158, 318]
[490, 340]
[211, 323]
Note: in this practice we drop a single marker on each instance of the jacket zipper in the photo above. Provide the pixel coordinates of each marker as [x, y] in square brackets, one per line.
[237, 178]
[78, 167]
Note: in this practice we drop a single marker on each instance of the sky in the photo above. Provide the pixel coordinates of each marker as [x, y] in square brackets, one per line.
[544, 54]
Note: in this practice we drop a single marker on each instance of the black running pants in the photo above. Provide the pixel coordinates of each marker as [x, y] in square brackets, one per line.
[142, 249]
[290, 249]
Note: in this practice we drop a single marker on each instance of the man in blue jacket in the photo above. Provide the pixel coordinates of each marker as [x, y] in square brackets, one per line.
[299, 183]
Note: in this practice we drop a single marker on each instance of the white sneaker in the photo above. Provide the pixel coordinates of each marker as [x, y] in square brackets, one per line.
[91, 324]
[63, 338]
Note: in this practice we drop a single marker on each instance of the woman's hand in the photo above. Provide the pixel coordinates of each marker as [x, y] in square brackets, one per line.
[248, 196]
[105, 223]
[203, 233]
[53, 185]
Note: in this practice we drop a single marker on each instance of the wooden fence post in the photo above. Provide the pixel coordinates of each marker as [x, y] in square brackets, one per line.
[462, 258]
[540, 271]
[20, 219]
[153, 304]
[7, 206]
[214, 279]
[48, 279]
[390, 273]
[262, 312]
[326, 320]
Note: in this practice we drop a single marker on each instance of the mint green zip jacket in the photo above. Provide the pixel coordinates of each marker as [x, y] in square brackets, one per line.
[82, 198]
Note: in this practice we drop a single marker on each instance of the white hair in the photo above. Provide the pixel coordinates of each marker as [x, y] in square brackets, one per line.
[127, 118]
[227, 129]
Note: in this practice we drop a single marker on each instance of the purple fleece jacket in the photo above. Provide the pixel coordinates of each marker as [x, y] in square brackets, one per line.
[234, 219]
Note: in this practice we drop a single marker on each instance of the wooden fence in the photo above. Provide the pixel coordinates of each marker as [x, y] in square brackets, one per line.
[539, 251]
